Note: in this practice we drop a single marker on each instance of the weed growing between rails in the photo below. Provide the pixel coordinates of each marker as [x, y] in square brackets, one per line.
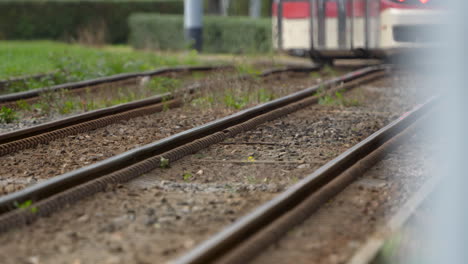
[335, 99]
[187, 176]
[27, 205]
[164, 84]
[7, 115]
[53, 105]
[236, 94]
[248, 70]
[233, 93]
[234, 99]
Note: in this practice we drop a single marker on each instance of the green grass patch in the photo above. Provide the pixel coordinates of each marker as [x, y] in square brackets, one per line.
[74, 62]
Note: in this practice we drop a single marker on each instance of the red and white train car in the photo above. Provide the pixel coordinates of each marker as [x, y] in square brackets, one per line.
[329, 29]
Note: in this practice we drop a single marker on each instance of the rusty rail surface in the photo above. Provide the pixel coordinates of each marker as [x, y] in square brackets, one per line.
[57, 192]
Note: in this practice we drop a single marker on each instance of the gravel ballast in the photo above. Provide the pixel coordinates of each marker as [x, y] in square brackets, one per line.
[166, 212]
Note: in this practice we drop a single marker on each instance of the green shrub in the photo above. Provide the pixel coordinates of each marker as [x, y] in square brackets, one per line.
[241, 8]
[156, 31]
[220, 34]
[75, 20]
[7, 115]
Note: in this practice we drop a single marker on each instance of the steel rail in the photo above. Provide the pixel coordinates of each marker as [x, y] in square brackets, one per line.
[73, 120]
[108, 79]
[70, 187]
[250, 235]
[44, 133]
[23, 79]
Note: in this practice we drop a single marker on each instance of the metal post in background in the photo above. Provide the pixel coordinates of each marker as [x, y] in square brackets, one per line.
[321, 33]
[342, 17]
[280, 24]
[351, 27]
[311, 23]
[255, 8]
[193, 24]
[367, 25]
[225, 7]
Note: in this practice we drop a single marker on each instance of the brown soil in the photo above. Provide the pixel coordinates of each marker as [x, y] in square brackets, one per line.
[166, 212]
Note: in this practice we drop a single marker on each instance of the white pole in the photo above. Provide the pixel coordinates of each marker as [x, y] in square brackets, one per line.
[225, 7]
[193, 23]
[255, 8]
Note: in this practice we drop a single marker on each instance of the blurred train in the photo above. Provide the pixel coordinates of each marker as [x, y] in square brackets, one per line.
[332, 29]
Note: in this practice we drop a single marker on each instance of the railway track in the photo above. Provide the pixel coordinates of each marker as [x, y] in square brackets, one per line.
[129, 79]
[250, 235]
[44, 133]
[124, 78]
[178, 202]
[54, 193]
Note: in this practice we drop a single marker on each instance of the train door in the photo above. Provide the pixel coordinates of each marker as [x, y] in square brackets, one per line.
[343, 28]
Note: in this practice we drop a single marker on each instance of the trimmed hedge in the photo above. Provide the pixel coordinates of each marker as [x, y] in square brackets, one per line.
[66, 20]
[220, 34]
[240, 8]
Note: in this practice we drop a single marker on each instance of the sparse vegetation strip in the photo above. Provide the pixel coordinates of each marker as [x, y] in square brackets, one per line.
[40, 134]
[109, 79]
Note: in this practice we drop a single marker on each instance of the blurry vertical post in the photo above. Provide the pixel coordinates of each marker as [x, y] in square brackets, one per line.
[225, 7]
[193, 23]
[449, 241]
[255, 8]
